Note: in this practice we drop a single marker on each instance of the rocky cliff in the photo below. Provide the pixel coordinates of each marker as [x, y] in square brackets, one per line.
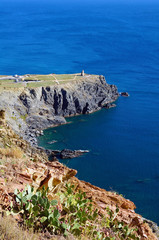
[33, 109]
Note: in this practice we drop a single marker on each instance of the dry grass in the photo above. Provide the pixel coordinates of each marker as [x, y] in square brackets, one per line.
[13, 152]
[9, 230]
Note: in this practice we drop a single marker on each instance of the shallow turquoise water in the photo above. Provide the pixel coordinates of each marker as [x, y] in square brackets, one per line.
[120, 41]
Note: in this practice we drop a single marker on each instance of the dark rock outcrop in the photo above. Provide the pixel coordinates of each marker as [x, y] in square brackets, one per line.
[76, 98]
[125, 94]
[64, 154]
[67, 153]
[110, 105]
[42, 122]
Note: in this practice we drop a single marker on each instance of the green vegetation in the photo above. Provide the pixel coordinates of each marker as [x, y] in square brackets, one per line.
[24, 117]
[64, 76]
[6, 81]
[38, 77]
[49, 77]
[73, 214]
[10, 84]
[14, 118]
[37, 80]
[40, 84]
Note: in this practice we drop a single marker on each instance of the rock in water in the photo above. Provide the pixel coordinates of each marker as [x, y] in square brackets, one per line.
[110, 105]
[67, 153]
[51, 142]
[125, 94]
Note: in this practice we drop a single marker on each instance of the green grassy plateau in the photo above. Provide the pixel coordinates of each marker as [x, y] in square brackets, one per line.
[37, 80]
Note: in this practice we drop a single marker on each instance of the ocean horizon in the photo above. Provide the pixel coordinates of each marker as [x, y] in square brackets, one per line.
[119, 41]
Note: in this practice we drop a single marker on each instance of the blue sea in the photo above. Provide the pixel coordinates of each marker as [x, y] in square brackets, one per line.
[119, 40]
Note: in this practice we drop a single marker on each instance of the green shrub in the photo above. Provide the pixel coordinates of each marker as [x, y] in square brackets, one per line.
[36, 210]
[77, 216]
[24, 117]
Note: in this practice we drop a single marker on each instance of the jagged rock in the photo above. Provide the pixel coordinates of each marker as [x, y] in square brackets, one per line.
[2, 114]
[83, 97]
[153, 226]
[125, 94]
[109, 105]
[55, 152]
[43, 122]
[67, 153]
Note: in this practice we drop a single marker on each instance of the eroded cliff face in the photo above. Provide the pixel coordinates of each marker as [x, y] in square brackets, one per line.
[78, 97]
[31, 110]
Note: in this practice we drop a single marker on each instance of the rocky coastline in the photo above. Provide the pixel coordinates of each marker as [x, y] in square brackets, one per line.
[31, 110]
[24, 116]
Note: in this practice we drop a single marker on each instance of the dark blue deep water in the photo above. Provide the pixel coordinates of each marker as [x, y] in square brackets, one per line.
[120, 41]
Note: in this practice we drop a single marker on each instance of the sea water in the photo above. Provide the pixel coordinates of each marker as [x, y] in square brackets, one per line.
[118, 40]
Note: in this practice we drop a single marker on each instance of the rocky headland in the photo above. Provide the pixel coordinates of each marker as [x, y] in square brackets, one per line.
[30, 110]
